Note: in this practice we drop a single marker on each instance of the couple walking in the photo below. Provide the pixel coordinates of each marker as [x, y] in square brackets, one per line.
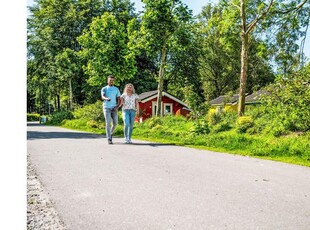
[112, 101]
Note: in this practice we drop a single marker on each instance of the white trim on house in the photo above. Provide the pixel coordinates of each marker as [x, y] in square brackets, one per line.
[154, 104]
[163, 105]
[171, 108]
[167, 95]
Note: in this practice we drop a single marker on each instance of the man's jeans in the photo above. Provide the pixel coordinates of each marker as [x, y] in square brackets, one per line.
[110, 115]
[129, 119]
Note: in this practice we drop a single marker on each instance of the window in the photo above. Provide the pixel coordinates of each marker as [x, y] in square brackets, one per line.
[167, 108]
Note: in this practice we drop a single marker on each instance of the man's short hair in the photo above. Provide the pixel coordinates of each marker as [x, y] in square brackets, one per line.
[110, 76]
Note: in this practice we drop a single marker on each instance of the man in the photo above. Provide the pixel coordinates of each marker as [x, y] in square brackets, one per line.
[111, 100]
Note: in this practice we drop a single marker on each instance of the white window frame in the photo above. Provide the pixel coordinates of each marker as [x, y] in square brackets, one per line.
[171, 108]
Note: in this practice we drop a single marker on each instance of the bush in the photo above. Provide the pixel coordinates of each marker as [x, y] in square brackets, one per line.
[90, 112]
[152, 122]
[60, 116]
[157, 128]
[276, 129]
[92, 124]
[223, 126]
[33, 117]
[200, 127]
[244, 123]
[289, 99]
[214, 117]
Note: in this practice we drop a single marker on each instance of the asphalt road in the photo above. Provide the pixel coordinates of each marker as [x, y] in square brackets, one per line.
[154, 186]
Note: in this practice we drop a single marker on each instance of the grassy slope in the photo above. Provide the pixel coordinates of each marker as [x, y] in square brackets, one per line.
[291, 149]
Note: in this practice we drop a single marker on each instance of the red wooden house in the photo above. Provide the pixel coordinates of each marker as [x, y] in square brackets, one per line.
[170, 105]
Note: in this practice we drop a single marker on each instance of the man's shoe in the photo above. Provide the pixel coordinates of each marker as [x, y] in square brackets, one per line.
[110, 141]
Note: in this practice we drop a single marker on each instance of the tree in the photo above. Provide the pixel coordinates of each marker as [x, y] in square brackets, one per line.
[220, 56]
[251, 14]
[288, 100]
[246, 29]
[160, 20]
[219, 59]
[104, 46]
[182, 72]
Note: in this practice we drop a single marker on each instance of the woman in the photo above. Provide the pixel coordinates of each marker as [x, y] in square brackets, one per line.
[130, 102]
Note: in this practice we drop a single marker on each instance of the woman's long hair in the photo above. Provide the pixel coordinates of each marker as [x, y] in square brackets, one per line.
[133, 88]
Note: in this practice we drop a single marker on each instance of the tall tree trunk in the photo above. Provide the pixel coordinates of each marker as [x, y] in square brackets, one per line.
[58, 102]
[245, 34]
[244, 60]
[161, 78]
[70, 94]
[55, 102]
[243, 74]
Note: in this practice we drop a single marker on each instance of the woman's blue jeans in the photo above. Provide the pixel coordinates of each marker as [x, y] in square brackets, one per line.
[129, 119]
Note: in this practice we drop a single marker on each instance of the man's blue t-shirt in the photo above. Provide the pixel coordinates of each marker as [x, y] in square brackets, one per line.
[111, 92]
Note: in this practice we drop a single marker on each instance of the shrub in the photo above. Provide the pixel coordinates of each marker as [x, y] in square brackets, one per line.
[60, 116]
[230, 117]
[214, 117]
[92, 124]
[152, 122]
[244, 123]
[33, 117]
[223, 126]
[200, 127]
[289, 99]
[276, 129]
[90, 112]
[157, 128]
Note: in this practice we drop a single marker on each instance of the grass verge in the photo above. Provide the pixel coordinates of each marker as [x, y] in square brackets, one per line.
[294, 149]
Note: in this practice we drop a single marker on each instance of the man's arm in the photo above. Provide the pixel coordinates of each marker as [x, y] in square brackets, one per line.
[118, 103]
[103, 96]
[121, 102]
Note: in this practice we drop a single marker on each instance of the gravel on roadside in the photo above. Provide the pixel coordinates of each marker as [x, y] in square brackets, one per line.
[41, 213]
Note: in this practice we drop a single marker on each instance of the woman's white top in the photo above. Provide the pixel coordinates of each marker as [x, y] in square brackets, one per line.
[129, 101]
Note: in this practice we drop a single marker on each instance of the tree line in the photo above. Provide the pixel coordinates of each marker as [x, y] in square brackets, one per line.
[232, 46]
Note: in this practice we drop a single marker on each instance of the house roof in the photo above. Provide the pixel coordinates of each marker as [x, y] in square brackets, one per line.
[147, 96]
[250, 99]
[255, 97]
[221, 99]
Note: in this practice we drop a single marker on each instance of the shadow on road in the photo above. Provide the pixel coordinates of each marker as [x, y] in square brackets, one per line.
[33, 124]
[32, 135]
[150, 144]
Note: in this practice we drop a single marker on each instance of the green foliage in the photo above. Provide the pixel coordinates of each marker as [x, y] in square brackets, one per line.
[105, 48]
[214, 117]
[58, 117]
[154, 121]
[244, 123]
[92, 124]
[276, 129]
[33, 117]
[289, 100]
[90, 112]
[200, 127]
[222, 126]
